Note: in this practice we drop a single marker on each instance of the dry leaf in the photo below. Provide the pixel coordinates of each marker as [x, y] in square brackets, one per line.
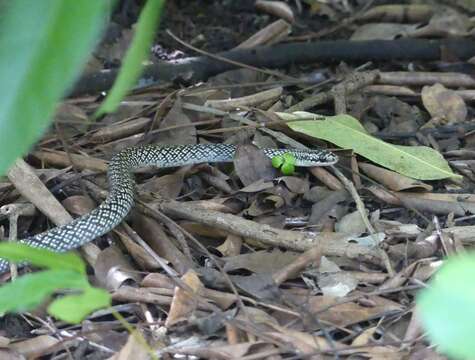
[382, 31]
[185, 133]
[185, 303]
[276, 8]
[231, 246]
[261, 262]
[444, 105]
[392, 179]
[133, 349]
[252, 165]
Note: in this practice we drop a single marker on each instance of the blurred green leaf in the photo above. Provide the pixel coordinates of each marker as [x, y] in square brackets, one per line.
[132, 65]
[43, 45]
[74, 308]
[17, 252]
[66, 271]
[447, 307]
[29, 291]
[418, 162]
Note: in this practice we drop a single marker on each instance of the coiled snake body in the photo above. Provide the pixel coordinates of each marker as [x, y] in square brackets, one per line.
[121, 183]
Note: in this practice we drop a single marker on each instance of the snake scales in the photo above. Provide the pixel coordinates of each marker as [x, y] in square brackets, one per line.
[121, 183]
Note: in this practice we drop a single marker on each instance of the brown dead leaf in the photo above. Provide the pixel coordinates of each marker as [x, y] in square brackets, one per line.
[203, 230]
[444, 105]
[215, 349]
[351, 223]
[446, 22]
[342, 314]
[71, 120]
[9, 354]
[269, 35]
[383, 31]
[392, 179]
[185, 133]
[78, 204]
[4, 341]
[397, 115]
[337, 284]
[113, 270]
[184, 303]
[412, 13]
[264, 204]
[276, 8]
[133, 349]
[333, 281]
[154, 234]
[365, 338]
[329, 206]
[238, 76]
[261, 262]
[252, 165]
[36, 347]
[126, 110]
[257, 186]
[304, 343]
[295, 184]
[222, 299]
[231, 246]
[166, 186]
[380, 352]
[260, 286]
[396, 229]
[258, 316]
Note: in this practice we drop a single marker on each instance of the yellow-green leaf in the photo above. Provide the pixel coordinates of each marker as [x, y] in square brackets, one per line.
[418, 162]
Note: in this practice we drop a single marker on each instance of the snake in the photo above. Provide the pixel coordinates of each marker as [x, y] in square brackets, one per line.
[120, 198]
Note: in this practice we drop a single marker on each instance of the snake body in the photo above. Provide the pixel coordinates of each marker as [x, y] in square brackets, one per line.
[121, 184]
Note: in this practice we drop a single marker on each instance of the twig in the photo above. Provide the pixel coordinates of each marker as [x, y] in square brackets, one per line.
[333, 244]
[362, 210]
[229, 61]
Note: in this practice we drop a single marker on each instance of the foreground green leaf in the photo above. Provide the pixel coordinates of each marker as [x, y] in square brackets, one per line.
[447, 307]
[132, 65]
[29, 291]
[43, 45]
[418, 162]
[74, 308]
[17, 252]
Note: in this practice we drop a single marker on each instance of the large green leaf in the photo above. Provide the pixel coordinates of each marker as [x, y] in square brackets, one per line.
[447, 307]
[74, 308]
[43, 45]
[418, 162]
[17, 252]
[136, 55]
[30, 290]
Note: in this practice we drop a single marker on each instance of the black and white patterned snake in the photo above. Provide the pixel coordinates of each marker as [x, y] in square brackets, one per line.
[122, 185]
